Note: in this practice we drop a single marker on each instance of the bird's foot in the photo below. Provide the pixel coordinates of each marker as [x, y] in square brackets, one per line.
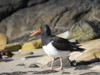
[58, 69]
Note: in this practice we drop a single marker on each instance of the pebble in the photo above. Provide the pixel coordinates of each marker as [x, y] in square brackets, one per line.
[33, 66]
[20, 64]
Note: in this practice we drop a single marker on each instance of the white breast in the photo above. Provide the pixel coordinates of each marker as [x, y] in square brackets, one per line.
[52, 51]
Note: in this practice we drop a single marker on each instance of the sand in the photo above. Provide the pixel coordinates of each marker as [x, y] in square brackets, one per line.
[19, 65]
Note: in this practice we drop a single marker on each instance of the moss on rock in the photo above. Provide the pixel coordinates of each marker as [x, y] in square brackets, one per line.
[84, 31]
[12, 47]
[32, 45]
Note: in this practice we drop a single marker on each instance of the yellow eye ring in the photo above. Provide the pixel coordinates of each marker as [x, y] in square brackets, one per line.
[41, 26]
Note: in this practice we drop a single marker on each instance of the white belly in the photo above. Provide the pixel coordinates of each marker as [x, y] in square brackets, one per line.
[52, 51]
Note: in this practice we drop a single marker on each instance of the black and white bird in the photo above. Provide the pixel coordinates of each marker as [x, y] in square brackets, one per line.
[55, 46]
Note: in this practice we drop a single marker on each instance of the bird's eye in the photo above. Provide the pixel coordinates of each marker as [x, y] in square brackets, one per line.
[41, 26]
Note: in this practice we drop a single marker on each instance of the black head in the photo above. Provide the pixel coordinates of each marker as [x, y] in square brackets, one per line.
[44, 29]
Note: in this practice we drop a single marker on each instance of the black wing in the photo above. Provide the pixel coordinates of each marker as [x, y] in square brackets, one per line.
[64, 45]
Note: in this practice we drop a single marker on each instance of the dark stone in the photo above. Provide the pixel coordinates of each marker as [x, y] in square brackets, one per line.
[8, 7]
[33, 66]
[14, 73]
[8, 53]
[91, 73]
[65, 72]
[20, 64]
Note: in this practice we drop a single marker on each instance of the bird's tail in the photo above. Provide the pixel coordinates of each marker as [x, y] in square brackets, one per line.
[79, 49]
[76, 48]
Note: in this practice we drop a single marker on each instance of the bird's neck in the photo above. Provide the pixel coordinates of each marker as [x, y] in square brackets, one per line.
[45, 38]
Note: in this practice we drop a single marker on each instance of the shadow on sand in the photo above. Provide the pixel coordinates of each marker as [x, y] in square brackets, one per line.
[88, 62]
[85, 64]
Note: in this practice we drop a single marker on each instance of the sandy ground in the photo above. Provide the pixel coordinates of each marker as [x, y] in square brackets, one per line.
[19, 65]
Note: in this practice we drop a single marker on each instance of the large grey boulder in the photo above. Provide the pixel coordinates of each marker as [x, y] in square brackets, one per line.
[85, 31]
[24, 16]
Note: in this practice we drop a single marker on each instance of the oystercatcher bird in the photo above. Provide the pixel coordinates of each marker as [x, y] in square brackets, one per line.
[55, 46]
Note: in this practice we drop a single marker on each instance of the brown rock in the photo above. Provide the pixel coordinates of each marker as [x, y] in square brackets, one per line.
[92, 51]
[6, 52]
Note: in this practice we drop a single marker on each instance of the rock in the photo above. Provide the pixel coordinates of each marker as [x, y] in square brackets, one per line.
[46, 61]
[66, 62]
[85, 31]
[33, 66]
[9, 7]
[65, 34]
[12, 47]
[32, 45]
[20, 64]
[92, 51]
[59, 35]
[6, 53]
[2, 29]
[28, 46]
[3, 40]
[27, 15]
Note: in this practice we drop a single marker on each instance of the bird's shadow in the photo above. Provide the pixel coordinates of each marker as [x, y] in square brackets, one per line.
[95, 60]
[6, 60]
[85, 64]
[88, 62]
[34, 56]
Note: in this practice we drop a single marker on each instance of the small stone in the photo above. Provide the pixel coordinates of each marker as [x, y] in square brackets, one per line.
[20, 64]
[65, 72]
[33, 66]
[45, 72]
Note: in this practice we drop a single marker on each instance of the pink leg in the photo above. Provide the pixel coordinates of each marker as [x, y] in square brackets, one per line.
[51, 68]
[61, 65]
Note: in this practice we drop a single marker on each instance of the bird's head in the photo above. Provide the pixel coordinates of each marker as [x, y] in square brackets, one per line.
[44, 28]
